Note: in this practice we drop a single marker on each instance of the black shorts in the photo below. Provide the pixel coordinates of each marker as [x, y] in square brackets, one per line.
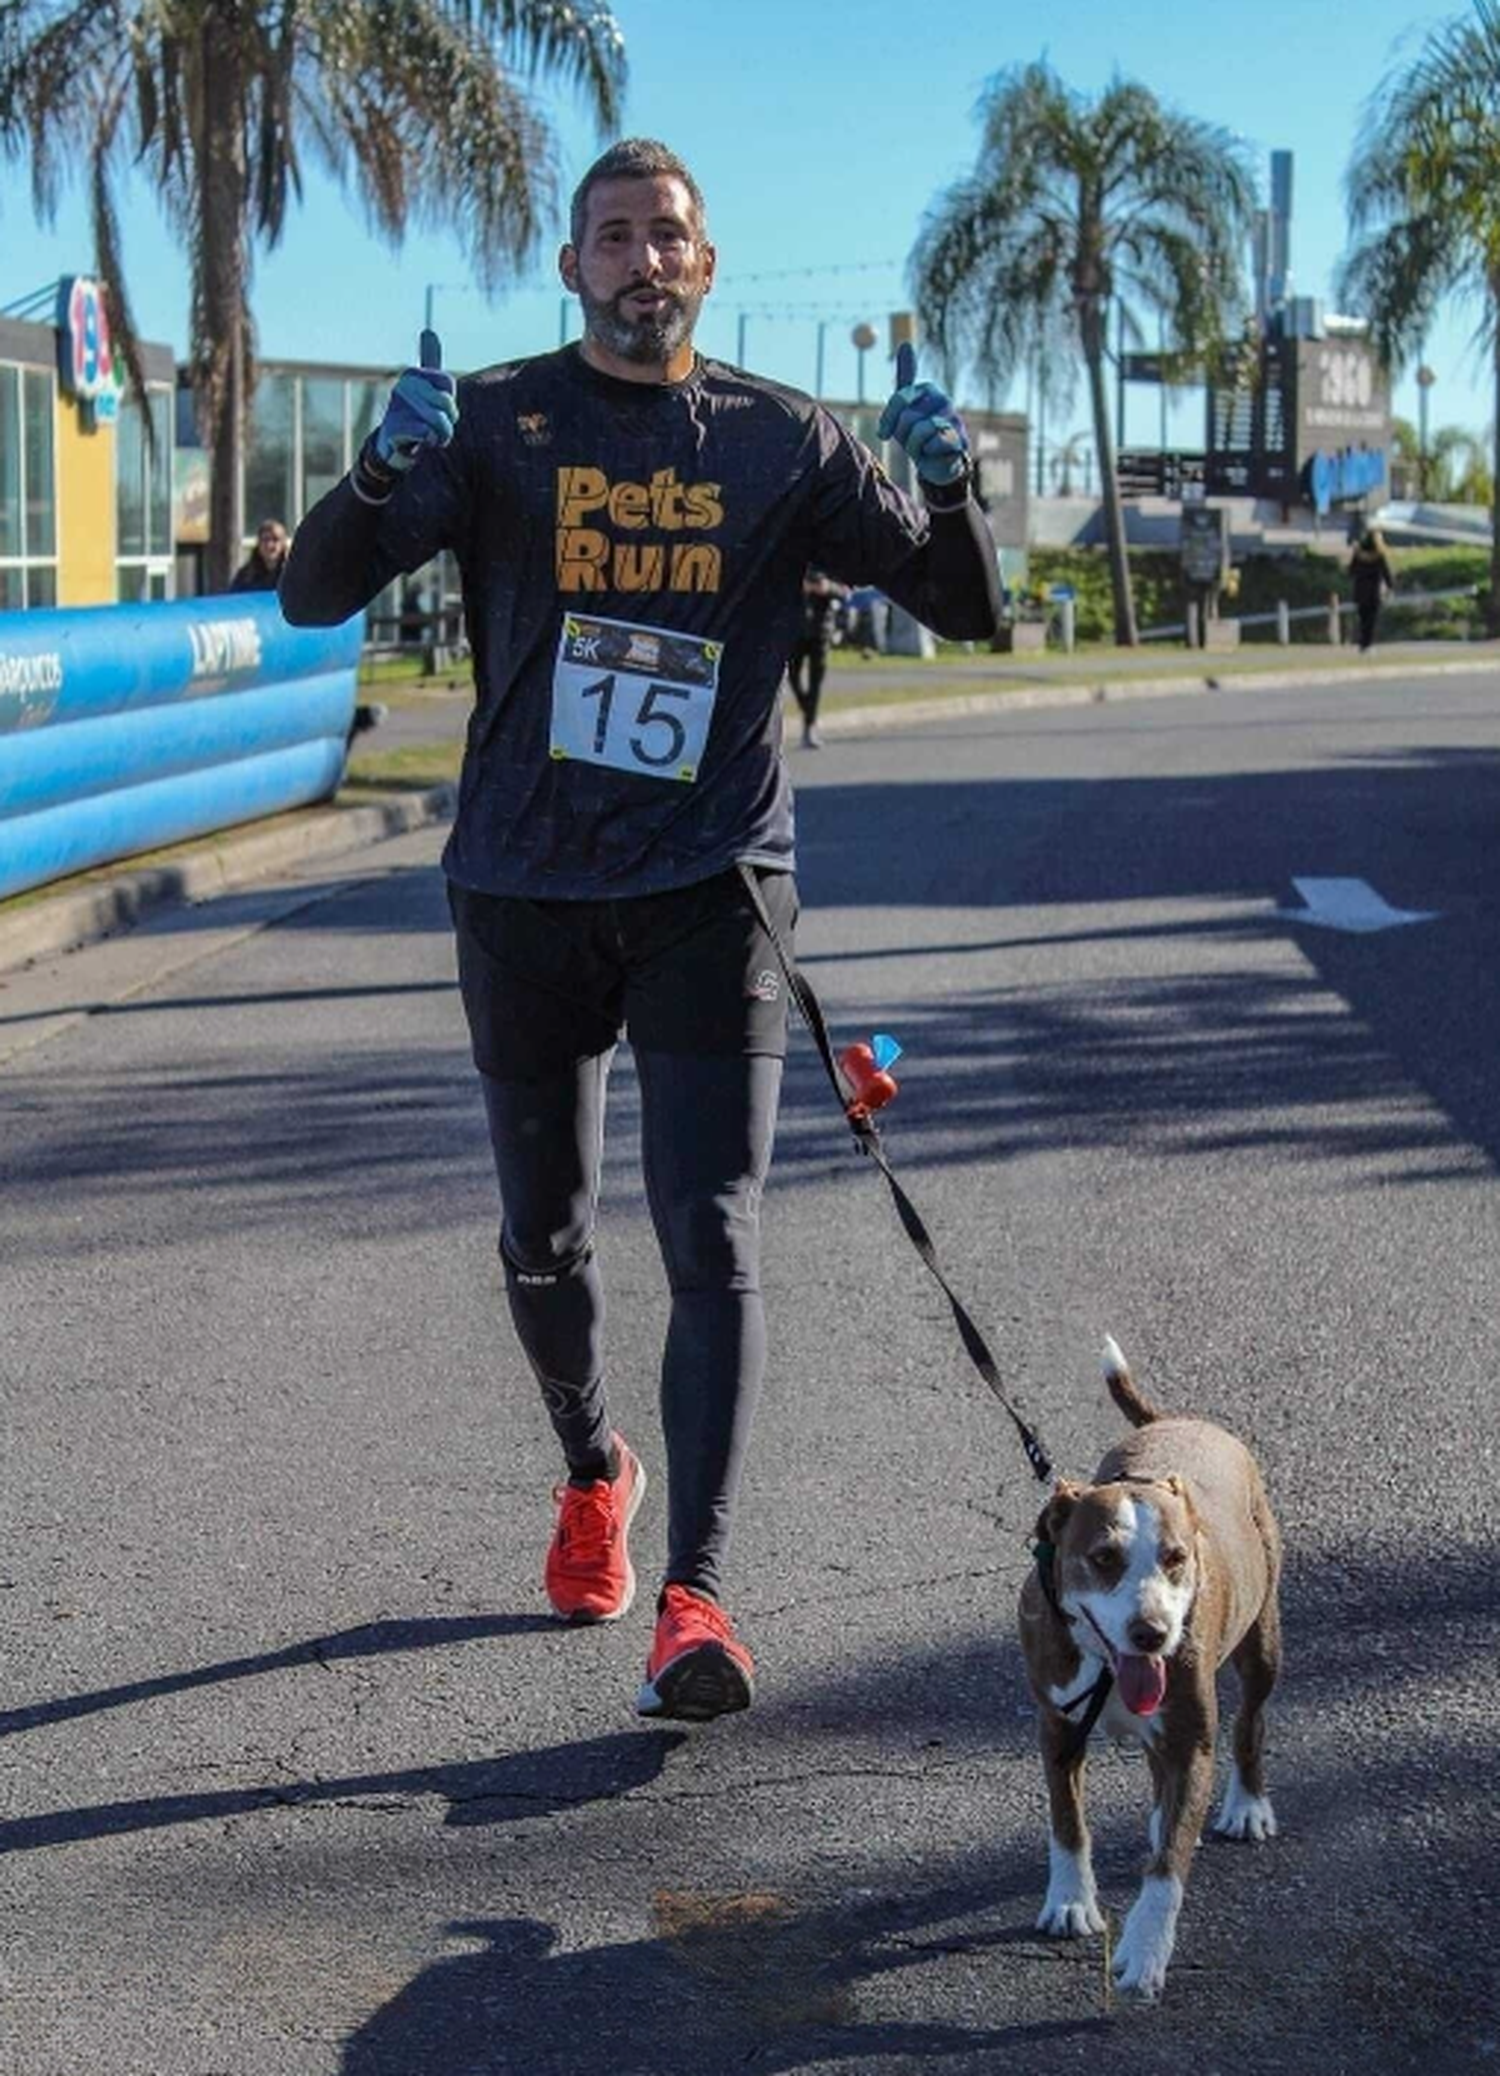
[549, 983]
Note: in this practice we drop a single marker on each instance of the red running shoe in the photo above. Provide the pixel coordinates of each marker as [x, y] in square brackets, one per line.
[698, 1668]
[589, 1575]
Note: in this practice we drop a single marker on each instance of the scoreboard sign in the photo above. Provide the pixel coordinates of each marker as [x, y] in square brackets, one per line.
[1315, 426]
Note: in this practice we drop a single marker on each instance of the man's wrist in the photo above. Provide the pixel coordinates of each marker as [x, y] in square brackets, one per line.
[371, 480]
[948, 497]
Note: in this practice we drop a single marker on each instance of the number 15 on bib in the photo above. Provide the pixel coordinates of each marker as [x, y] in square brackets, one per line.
[636, 698]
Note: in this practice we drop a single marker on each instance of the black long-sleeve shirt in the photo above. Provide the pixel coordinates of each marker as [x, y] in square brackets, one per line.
[632, 558]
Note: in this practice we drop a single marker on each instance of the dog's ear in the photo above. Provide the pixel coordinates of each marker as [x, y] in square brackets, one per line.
[1054, 1515]
[1178, 1487]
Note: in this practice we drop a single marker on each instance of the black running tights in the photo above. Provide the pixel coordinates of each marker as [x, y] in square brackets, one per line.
[706, 1130]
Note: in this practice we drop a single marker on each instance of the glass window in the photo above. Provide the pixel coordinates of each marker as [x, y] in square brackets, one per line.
[269, 486]
[12, 592]
[10, 461]
[41, 494]
[42, 586]
[187, 415]
[130, 480]
[159, 476]
[143, 496]
[367, 401]
[322, 440]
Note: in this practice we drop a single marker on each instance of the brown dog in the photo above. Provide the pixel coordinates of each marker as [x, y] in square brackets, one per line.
[1151, 1577]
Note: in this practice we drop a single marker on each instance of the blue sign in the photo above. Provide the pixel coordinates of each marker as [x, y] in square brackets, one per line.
[1331, 479]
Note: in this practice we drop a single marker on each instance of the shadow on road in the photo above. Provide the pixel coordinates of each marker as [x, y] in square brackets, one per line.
[478, 1791]
[1181, 1063]
[725, 1982]
[369, 1640]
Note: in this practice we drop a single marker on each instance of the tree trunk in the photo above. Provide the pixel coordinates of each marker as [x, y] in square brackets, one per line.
[222, 268]
[1092, 329]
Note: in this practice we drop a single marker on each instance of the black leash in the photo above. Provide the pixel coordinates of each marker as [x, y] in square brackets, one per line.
[1095, 1696]
[867, 1139]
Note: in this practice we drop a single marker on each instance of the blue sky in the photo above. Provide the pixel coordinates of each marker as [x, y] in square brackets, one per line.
[820, 131]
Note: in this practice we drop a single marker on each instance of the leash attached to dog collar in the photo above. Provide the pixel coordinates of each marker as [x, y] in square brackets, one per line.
[867, 1138]
[1098, 1694]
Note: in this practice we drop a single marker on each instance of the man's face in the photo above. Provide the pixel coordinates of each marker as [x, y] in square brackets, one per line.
[642, 269]
[271, 540]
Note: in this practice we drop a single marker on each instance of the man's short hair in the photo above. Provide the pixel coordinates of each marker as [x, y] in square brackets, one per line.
[633, 158]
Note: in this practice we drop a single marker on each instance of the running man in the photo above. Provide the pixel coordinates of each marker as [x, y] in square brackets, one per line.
[632, 522]
[808, 663]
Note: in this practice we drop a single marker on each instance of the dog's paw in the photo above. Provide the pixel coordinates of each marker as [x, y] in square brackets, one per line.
[1247, 1817]
[1073, 1919]
[1145, 1948]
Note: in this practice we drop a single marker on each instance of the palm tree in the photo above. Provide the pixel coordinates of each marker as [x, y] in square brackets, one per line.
[1423, 192]
[1073, 207]
[1460, 467]
[219, 102]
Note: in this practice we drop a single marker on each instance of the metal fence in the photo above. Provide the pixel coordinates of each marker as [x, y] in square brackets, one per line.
[1332, 614]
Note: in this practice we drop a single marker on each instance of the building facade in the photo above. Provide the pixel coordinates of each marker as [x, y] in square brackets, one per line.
[85, 493]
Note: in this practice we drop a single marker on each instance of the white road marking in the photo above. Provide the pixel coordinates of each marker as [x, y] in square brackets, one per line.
[1352, 905]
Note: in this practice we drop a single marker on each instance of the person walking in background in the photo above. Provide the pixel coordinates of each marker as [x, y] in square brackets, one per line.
[822, 600]
[1370, 575]
[263, 567]
[633, 522]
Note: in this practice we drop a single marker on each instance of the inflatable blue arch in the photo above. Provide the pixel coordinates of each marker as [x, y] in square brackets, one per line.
[123, 728]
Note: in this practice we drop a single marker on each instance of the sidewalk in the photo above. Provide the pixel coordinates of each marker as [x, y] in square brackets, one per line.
[424, 725]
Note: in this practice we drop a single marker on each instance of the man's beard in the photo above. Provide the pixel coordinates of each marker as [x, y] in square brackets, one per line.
[650, 339]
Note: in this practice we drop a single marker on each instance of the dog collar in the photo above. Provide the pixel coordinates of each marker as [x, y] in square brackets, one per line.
[1093, 1699]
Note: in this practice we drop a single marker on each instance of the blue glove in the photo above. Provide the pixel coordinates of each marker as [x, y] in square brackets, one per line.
[422, 412]
[920, 418]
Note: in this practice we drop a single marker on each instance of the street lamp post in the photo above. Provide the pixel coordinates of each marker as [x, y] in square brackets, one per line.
[862, 338]
[1425, 380]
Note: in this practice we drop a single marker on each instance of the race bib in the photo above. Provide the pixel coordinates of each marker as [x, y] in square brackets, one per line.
[637, 698]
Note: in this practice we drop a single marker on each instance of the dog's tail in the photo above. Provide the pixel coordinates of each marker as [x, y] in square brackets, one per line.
[1137, 1410]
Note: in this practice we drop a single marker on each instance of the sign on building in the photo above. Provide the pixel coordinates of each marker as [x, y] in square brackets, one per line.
[85, 357]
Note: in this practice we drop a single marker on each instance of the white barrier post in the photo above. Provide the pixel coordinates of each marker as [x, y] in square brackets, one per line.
[1069, 623]
[1283, 622]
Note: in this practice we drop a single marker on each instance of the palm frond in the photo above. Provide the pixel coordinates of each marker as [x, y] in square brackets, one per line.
[576, 40]
[436, 130]
[1423, 187]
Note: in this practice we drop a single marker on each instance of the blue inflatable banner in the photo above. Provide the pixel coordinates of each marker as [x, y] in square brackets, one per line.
[123, 728]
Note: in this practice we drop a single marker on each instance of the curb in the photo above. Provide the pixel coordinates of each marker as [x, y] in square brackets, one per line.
[236, 860]
[855, 720]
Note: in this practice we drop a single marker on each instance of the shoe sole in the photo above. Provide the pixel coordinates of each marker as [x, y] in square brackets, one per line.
[701, 1684]
[585, 1618]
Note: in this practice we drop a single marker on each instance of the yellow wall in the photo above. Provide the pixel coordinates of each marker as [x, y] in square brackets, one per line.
[85, 509]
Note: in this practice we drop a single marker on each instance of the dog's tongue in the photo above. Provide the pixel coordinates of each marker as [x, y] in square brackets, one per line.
[1142, 1683]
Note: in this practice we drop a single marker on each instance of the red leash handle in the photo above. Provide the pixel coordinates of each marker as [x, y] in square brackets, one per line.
[867, 1087]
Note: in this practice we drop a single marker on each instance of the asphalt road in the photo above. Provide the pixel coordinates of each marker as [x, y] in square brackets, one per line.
[296, 1777]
